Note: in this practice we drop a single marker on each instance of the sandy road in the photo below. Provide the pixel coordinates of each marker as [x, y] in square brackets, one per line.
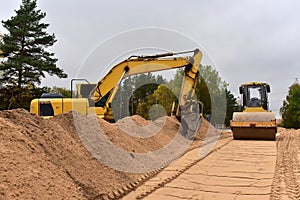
[239, 170]
[236, 169]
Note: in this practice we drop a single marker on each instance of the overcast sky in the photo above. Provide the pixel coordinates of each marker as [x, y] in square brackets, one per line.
[245, 40]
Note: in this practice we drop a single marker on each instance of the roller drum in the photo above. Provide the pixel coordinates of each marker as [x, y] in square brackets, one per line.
[254, 125]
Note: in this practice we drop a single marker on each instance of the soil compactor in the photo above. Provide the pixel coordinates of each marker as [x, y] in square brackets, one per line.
[256, 121]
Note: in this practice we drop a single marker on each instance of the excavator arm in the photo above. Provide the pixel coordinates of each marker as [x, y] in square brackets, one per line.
[104, 92]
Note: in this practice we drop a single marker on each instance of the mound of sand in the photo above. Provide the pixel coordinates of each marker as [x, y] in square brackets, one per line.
[46, 159]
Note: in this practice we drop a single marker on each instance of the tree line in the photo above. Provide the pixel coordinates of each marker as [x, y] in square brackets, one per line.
[141, 95]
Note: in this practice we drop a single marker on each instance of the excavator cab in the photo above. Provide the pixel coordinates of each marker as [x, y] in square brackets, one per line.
[256, 121]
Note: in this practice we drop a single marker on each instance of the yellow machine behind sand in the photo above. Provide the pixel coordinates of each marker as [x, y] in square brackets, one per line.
[97, 98]
[256, 121]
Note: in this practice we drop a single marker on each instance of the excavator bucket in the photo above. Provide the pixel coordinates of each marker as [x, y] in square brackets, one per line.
[190, 125]
[254, 125]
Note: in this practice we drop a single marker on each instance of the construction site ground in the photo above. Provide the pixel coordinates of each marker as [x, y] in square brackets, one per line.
[46, 159]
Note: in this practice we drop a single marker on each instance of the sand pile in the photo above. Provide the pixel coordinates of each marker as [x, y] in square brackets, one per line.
[27, 167]
[46, 159]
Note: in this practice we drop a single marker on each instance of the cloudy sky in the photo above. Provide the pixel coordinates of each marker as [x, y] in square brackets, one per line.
[245, 40]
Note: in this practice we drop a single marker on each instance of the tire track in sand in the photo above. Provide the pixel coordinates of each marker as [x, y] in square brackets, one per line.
[237, 170]
[286, 177]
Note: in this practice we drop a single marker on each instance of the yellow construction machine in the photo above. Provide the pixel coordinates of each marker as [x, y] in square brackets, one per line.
[256, 121]
[98, 98]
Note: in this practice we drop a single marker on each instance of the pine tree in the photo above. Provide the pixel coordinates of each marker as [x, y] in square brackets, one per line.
[26, 44]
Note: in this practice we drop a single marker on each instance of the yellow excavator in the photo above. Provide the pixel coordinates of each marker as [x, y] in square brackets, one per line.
[256, 121]
[98, 98]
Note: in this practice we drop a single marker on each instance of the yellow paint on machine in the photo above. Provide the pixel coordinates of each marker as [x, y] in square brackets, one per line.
[63, 105]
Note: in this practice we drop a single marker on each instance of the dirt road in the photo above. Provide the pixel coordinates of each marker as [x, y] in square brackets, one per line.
[235, 169]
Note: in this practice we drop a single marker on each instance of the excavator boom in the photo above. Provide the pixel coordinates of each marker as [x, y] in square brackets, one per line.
[108, 85]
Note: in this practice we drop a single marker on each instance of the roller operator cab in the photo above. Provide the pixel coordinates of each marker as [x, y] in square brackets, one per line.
[255, 97]
[256, 121]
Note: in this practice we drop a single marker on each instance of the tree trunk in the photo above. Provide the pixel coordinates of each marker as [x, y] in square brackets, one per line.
[20, 78]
